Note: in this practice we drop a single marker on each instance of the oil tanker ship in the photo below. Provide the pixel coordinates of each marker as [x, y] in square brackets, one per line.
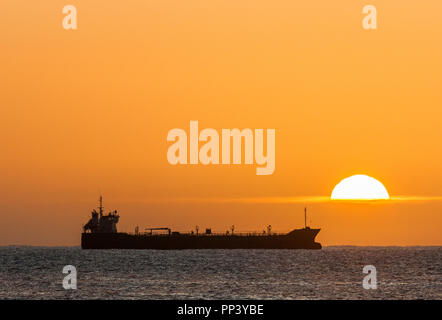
[101, 233]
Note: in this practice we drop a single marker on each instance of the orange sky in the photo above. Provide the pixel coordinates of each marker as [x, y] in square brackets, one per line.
[87, 112]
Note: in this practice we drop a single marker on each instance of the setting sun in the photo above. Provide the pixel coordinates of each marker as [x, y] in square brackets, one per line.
[359, 187]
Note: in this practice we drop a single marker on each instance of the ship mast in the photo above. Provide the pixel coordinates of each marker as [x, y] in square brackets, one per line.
[305, 217]
[101, 206]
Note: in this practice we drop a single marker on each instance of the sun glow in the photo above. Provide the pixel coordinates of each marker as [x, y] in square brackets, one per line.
[359, 187]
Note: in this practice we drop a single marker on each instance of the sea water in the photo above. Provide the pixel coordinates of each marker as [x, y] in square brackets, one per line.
[330, 273]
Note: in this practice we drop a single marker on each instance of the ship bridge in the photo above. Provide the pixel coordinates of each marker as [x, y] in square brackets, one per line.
[101, 223]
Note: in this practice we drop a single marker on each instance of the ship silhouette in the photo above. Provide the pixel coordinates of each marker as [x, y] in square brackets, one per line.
[100, 232]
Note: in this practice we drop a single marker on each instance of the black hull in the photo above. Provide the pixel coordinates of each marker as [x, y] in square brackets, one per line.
[297, 239]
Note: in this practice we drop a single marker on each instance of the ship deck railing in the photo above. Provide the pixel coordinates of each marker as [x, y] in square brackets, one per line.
[209, 234]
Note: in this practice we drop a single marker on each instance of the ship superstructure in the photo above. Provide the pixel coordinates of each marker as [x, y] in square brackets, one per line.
[100, 223]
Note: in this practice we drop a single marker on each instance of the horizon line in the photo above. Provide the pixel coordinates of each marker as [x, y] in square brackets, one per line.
[294, 199]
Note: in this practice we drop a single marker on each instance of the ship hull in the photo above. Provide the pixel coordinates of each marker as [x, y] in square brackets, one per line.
[297, 239]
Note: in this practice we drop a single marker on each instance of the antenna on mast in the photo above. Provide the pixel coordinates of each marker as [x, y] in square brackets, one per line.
[101, 206]
[305, 217]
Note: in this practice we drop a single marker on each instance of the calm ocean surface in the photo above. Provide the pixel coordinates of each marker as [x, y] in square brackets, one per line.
[331, 273]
